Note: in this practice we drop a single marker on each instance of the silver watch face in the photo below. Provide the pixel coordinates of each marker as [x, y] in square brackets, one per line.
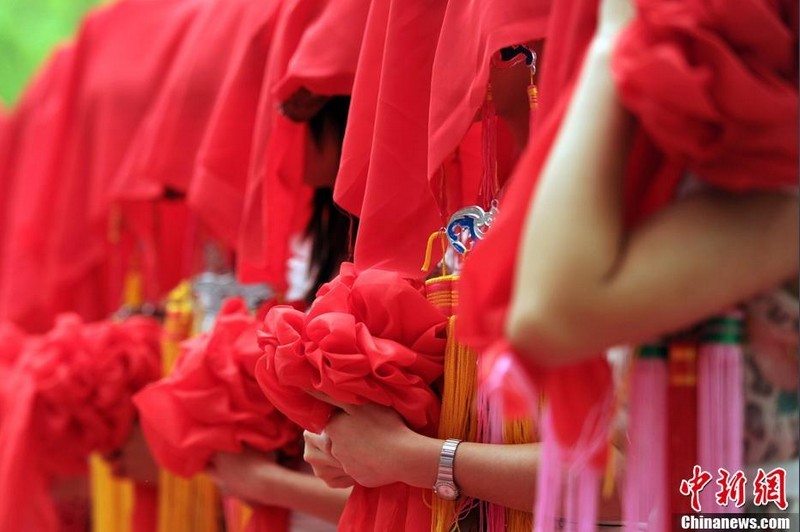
[446, 491]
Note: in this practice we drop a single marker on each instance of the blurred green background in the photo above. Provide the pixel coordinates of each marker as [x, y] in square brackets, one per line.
[28, 31]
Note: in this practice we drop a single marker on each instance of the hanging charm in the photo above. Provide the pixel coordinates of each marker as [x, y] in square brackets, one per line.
[468, 225]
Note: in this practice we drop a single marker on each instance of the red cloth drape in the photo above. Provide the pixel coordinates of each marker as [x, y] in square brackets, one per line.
[383, 177]
[458, 88]
[216, 193]
[370, 336]
[36, 143]
[109, 107]
[68, 394]
[316, 45]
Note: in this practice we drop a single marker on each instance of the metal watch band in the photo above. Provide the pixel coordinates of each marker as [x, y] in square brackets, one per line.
[445, 475]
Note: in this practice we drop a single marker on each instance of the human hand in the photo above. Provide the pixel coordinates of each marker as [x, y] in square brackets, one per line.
[371, 443]
[133, 460]
[242, 475]
[318, 455]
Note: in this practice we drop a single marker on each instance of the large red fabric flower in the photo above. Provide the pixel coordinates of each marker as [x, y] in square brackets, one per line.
[69, 394]
[369, 337]
[211, 401]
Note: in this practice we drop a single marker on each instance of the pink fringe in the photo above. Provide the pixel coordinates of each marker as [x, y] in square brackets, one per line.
[548, 483]
[720, 417]
[490, 430]
[645, 495]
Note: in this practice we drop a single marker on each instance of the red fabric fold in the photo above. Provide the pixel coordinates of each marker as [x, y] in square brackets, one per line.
[715, 86]
[211, 401]
[218, 186]
[316, 45]
[69, 394]
[383, 176]
[458, 88]
[370, 336]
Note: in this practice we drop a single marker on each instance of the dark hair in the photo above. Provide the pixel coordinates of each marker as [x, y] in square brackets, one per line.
[330, 229]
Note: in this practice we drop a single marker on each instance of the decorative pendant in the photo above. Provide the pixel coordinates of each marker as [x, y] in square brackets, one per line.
[468, 225]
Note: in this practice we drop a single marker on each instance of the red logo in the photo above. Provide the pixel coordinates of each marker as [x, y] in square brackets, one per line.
[770, 487]
[731, 488]
[693, 486]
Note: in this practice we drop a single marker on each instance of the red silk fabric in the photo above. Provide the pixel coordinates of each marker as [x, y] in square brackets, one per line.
[211, 402]
[216, 193]
[458, 88]
[370, 336]
[277, 200]
[69, 394]
[383, 177]
[166, 145]
[36, 144]
[655, 167]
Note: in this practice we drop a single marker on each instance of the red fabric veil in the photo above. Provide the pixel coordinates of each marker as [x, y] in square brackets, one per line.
[164, 153]
[217, 190]
[316, 46]
[69, 394]
[370, 336]
[458, 88]
[383, 176]
[110, 106]
[40, 124]
[693, 128]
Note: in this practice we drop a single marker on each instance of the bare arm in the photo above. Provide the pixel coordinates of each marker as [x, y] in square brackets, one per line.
[375, 448]
[584, 283]
[256, 478]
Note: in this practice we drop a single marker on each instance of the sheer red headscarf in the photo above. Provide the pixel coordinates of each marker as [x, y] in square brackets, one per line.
[110, 105]
[383, 177]
[317, 43]
[217, 190]
[458, 88]
[36, 141]
[370, 336]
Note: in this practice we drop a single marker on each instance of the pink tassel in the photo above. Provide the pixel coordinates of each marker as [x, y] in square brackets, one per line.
[588, 490]
[645, 496]
[548, 485]
[720, 404]
[490, 430]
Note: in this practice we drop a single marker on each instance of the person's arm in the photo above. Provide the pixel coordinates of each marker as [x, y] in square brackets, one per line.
[255, 477]
[375, 447]
[584, 283]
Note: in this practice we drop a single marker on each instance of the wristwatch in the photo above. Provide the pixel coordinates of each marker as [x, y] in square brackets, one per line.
[445, 487]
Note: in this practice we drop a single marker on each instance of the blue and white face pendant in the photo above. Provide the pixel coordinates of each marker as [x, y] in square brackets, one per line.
[468, 225]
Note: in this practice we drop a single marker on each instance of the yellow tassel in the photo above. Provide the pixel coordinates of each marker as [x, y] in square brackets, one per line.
[184, 505]
[458, 417]
[112, 499]
[517, 432]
